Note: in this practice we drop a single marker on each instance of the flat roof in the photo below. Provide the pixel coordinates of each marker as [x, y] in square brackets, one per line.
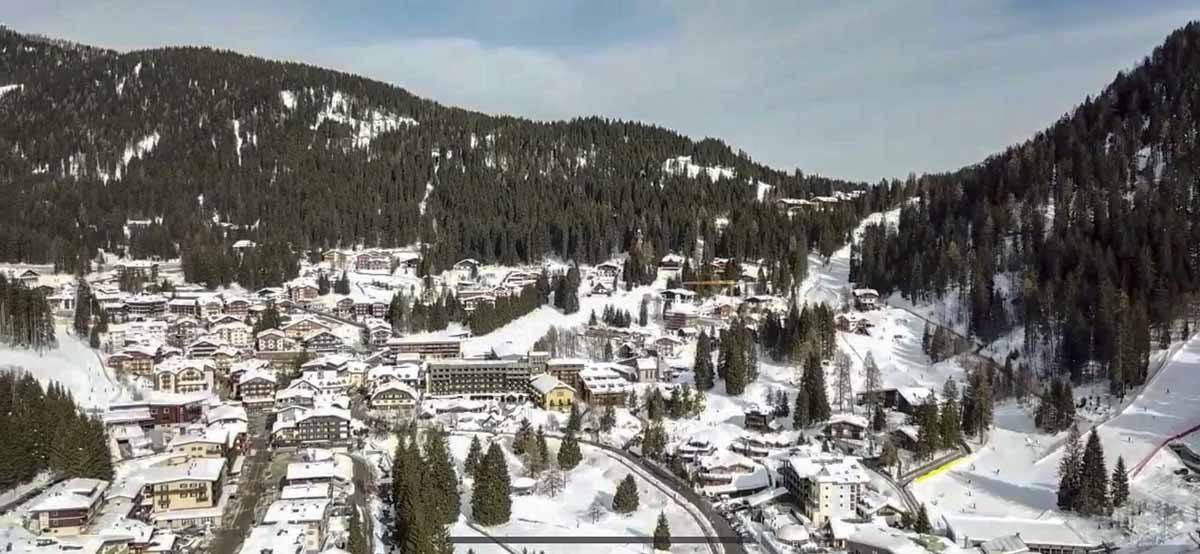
[1033, 531]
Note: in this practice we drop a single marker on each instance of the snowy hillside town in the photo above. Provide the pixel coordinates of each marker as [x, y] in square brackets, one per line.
[309, 417]
[258, 306]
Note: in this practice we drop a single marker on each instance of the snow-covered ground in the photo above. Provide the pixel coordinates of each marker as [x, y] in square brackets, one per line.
[570, 512]
[74, 365]
[1012, 474]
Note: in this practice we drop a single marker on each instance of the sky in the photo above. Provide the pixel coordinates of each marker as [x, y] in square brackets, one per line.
[858, 90]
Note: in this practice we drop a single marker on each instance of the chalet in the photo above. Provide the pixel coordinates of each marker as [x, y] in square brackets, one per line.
[256, 389]
[184, 306]
[667, 346]
[213, 306]
[408, 374]
[372, 261]
[466, 269]
[694, 449]
[182, 376]
[793, 206]
[300, 396]
[137, 269]
[301, 327]
[309, 516]
[145, 306]
[274, 340]
[671, 262]
[335, 258]
[679, 315]
[846, 426]
[607, 271]
[393, 396]
[378, 333]
[322, 342]
[517, 280]
[302, 291]
[235, 334]
[225, 356]
[238, 307]
[134, 360]
[167, 409]
[183, 332]
[325, 426]
[365, 308]
[548, 393]
[211, 443]
[344, 308]
[472, 299]
[865, 299]
[901, 399]
[758, 419]
[203, 347]
[601, 289]
[67, 507]
[29, 278]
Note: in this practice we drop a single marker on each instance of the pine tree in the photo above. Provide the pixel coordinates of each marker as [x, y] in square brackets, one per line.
[801, 413]
[950, 423]
[471, 464]
[439, 480]
[523, 437]
[703, 366]
[644, 313]
[1069, 472]
[1093, 476]
[844, 391]
[1119, 484]
[491, 499]
[929, 429]
[569, 454]
[922, 524]
[878, 420]
[83, 307]
[625, 500]
[574, 419]
[662, 533]
[608, 419]
[872, 379]
[343, 284]
[814, 374]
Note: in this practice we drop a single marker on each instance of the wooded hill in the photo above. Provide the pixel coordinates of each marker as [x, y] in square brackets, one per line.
[290, 154]
[1087, 235]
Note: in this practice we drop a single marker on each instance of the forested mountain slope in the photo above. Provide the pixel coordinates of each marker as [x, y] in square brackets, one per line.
[1088, 234]
[213, 146]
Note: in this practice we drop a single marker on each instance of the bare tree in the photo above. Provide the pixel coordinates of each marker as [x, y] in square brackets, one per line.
[553, 482]
[844, 389]
[596, 510]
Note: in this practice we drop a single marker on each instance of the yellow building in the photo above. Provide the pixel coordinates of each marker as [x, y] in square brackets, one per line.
[193, 484]
[551, 394]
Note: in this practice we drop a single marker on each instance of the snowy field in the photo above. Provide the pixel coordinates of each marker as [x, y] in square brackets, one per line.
[570, 512]
[1011, 474]
[74, 365]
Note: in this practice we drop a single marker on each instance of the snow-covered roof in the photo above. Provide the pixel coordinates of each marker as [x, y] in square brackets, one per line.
[828, 469]
[394, 386]
[297, 511]
[72, 494]
[1055, 532]
[851, 419]
[308, 471]
[207, 436]
[194, 469]
[276, 539]
[545, 383]
[309, 490]
[793, 534]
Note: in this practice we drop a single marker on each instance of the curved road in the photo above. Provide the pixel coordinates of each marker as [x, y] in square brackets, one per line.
[727, 540]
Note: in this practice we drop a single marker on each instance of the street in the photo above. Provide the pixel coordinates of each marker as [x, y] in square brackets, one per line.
[253, 484]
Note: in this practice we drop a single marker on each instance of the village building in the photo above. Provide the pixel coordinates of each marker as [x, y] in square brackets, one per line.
[194, 484]
[393, 395]
[256, 389]
[145, 306]
[865, 299]
[1045, 536]
[427, 348]
[548, 393]
[137, 269]
[478, 379]
[182, 376]
[824, 487]
[309, 515]
[603, 387]
[847, 426]
[318, 426]
[66, 508]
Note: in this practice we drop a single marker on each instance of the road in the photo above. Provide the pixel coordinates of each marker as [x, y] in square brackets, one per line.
[727, 540]
[364, 489]
[228, 539]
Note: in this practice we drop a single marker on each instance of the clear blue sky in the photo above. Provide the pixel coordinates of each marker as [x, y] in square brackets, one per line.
[856, 89]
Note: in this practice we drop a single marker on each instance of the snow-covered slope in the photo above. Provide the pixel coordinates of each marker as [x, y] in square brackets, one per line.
[74, 365]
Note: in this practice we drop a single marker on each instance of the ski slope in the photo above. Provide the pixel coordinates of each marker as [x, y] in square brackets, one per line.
[74, 365]
[828, 282]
